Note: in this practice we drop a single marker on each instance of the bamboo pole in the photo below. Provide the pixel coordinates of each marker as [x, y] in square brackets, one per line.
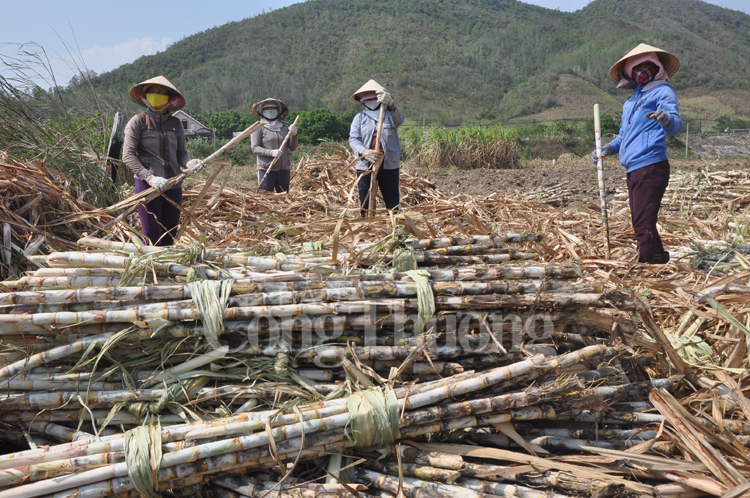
[600, 178]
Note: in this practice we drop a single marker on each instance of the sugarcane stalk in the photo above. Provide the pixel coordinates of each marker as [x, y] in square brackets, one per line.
[600, 179]
[413, 470]
[494, 240]
[287, 292]
[375, 167]
[138, 200]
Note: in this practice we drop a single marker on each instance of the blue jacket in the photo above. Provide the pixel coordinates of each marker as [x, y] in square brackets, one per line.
[642, 141]
[363, 128]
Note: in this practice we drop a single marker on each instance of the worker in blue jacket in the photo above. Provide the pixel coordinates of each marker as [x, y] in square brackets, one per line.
[363, 140]
[649, 116]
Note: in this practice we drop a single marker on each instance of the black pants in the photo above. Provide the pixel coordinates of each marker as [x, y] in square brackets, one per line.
[275, 180]
[646, 187]
[388, 182]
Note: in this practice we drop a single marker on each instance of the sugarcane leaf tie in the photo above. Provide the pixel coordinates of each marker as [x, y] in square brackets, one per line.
[211, 298]
[425, 298]
[142, 447]
[373, 417]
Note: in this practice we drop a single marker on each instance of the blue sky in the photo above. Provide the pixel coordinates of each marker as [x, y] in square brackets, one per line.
[103, 37]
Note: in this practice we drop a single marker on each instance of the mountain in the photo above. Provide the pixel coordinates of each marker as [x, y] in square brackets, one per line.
[452, 60]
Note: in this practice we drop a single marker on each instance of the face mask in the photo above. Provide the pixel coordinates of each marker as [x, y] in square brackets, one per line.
[645, 73]
[371, 104]
[272, 113]
[157, 100]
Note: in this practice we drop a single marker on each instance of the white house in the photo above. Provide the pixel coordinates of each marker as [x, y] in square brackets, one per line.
[193, 128]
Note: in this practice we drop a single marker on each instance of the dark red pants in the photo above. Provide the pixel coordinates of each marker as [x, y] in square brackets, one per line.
[159, 218]
[646, 188]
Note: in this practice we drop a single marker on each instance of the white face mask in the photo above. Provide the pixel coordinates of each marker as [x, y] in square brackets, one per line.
[371, 104]
[271, 113]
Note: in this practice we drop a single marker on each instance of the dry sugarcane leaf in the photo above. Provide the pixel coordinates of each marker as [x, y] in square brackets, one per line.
[507, 429]
[538, 463]
[683, 423]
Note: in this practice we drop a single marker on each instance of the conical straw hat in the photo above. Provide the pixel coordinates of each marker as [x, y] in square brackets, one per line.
[138, 91]
[370, 86]
[670, 61]
[260, 105]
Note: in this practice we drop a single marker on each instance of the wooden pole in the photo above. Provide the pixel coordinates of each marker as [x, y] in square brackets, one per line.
[687, 140]
[276, 159]
[600, 177]
[149, 195]
[376, 167]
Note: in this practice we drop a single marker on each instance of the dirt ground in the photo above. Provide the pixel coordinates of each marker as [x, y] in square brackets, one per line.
[580, 181]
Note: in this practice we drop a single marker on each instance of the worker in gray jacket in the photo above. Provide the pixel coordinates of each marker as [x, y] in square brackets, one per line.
[154, 150]
[266, 143]
[363, 140]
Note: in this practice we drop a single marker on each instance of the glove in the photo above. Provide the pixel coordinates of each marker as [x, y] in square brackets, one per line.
[159, 183]
[607, 150]
[194, 166]
[276, 153]
[662, 117]
[371, 155]
[293, 129]
[384, 97]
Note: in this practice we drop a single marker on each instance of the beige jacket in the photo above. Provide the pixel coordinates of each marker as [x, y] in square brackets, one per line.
[264, 141]
[154, 143]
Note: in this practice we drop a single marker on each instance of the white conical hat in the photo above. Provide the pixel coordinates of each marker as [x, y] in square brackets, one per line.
[138, 91]
[370, 86]
[670, 61]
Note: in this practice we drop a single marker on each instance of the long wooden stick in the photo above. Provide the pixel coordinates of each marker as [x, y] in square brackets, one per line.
[600, 177]
[276, 159]
[149, 195]
[375, 168]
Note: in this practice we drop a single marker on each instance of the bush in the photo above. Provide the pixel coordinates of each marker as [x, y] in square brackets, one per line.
[466, 147]
[321, 124]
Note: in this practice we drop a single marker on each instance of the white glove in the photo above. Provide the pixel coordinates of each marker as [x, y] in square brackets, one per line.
[293, 129]
[371, 155]
[276, 153]
[384, 97]
[157, 182]
[662, 117]
[607, 150]
[194, 166]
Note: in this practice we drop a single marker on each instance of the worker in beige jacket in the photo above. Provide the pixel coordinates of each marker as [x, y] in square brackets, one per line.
[266, 143]
[154, 150]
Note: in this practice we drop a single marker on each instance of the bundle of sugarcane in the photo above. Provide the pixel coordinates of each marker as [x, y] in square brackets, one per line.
[362, 419]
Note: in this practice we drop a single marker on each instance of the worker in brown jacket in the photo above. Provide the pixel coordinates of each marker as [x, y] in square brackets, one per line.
[154, 150]
[266, 143]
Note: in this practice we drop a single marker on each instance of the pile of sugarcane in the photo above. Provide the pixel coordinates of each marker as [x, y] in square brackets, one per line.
[212, 344]
[691, 193]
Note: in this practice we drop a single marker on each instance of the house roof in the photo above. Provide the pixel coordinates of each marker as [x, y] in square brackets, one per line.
[189, 116]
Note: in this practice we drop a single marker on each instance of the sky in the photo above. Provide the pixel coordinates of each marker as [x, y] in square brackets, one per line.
[100, 36]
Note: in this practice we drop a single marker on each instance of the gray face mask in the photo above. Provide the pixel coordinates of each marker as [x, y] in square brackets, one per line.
[371, 104]
[271, 113]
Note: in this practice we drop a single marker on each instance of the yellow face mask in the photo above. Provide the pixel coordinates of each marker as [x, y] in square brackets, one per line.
[157, 100]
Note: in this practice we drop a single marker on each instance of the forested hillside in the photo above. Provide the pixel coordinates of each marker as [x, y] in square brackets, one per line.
[465, 59]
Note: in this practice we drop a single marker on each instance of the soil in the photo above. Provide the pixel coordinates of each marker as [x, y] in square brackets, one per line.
[581, 182]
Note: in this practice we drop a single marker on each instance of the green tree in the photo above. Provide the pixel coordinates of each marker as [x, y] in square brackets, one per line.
[227, 122]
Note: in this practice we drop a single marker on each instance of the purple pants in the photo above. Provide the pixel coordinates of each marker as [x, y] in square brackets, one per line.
[646, 187]
[159, 218]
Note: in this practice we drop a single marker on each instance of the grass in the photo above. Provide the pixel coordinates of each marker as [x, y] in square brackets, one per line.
[466, 147]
